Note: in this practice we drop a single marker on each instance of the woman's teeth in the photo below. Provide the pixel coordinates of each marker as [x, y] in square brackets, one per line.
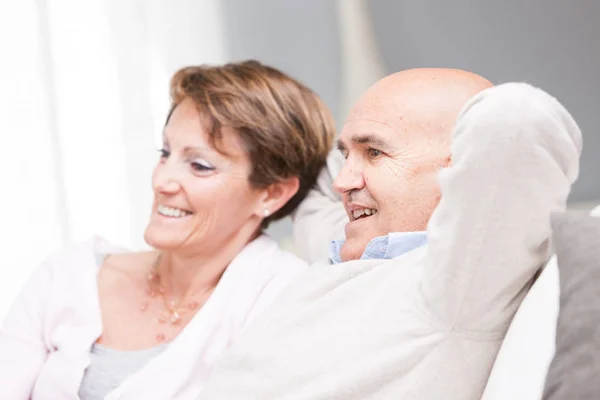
[366, 211]
[172, 212]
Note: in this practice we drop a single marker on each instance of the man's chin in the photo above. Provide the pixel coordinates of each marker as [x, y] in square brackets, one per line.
[351, 250]
[359, 234]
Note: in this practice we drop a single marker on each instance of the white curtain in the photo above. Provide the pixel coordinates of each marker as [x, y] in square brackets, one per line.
[84, 95]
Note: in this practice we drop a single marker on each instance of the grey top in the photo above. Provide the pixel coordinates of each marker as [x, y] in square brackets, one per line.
[109, 368]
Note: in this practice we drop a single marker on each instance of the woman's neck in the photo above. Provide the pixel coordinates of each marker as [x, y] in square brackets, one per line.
[185, 274]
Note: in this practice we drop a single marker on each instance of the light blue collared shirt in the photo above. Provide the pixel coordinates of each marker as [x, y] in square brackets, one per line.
[383, 247]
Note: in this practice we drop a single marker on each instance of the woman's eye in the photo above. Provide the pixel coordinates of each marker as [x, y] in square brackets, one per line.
[164, 153]
[201, 167]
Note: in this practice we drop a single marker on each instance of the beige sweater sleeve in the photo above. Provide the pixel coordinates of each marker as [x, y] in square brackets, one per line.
[515, 155]
[321, 217]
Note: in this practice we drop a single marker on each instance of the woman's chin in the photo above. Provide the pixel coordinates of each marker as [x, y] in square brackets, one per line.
[161, 241]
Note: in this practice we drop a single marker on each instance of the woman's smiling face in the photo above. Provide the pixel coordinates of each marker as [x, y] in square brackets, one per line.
[202, 197]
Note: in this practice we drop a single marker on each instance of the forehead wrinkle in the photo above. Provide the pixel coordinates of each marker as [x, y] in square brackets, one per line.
[396, 123]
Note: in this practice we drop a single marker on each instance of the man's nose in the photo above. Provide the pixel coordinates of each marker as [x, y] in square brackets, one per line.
[350, 178]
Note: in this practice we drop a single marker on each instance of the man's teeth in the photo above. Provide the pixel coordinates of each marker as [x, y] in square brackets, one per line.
[172, 212]
[365, 211]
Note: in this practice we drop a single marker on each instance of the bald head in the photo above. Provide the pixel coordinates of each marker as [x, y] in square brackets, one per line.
[424, 101]
[395, 140]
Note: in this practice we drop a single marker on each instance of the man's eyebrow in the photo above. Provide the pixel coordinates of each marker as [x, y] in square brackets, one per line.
[362, 139]
[370, 139]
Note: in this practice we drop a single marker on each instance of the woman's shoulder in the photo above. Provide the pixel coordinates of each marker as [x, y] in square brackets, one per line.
[74, 274]
[69, 272]
[86, 250]
[80, 258]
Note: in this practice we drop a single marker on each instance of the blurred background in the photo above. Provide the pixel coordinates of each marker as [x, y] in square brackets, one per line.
[84, 89]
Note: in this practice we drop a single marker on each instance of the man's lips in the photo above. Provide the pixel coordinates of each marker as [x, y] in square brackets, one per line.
[357, 211]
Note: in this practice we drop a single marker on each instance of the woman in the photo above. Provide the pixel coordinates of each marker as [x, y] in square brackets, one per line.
[243, 145]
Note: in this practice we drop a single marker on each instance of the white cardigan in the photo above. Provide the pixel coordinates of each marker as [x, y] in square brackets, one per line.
[428, 324]
[46, 338]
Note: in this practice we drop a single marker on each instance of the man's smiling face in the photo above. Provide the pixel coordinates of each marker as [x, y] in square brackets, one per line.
[386, 185]
[395, 141]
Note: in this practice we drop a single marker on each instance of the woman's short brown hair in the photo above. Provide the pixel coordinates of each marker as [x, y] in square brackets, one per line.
[285, 127]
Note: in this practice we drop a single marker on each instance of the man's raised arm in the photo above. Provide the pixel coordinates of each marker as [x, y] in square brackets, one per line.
[515, 154]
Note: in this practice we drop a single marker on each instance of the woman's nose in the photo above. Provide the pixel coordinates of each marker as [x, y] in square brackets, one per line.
[164, 179]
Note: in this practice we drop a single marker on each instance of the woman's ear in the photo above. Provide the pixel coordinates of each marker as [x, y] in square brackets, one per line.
[277, 195]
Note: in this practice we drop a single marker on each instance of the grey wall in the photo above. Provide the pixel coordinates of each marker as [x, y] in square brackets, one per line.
[299, 37]
[550, 43]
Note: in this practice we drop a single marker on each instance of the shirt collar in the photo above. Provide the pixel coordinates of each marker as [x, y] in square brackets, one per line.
[383, 247]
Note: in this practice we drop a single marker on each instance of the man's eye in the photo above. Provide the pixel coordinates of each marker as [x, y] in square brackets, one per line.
[374, 152]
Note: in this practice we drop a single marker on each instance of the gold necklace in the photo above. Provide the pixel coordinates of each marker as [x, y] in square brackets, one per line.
[175, 310]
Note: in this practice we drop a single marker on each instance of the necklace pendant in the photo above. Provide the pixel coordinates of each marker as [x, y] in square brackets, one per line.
[175, 318]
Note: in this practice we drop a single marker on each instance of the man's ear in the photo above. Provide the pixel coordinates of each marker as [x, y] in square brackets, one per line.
[277, 195]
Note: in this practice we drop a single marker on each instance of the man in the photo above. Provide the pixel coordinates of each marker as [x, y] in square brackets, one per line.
[409, 314]
[415, 112]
